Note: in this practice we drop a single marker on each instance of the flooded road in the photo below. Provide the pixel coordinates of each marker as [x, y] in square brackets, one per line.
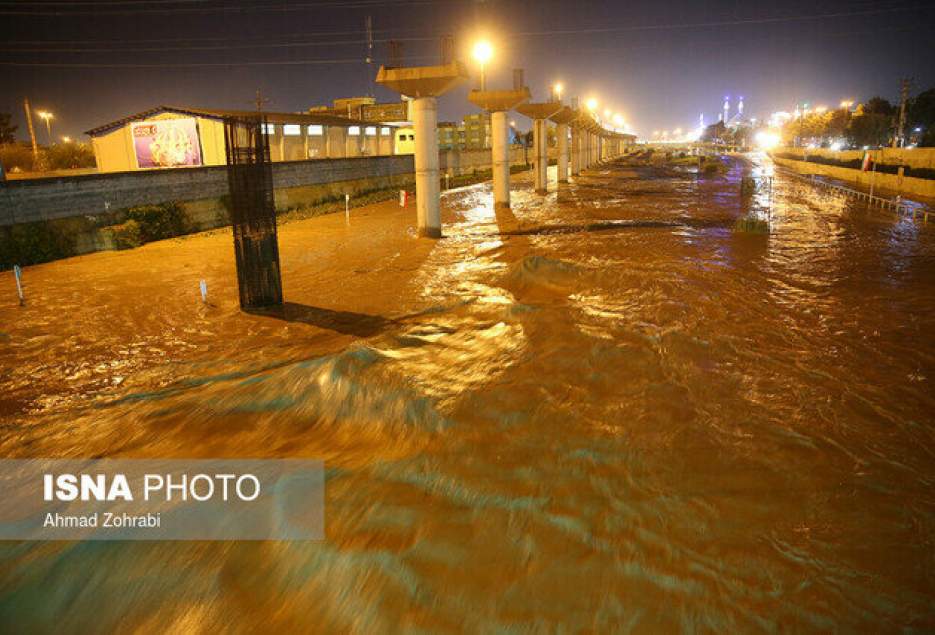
[602, 411]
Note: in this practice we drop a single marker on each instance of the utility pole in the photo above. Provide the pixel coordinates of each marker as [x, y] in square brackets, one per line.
[903, 98]
[260, 100]
[32, 131]
[368, 23]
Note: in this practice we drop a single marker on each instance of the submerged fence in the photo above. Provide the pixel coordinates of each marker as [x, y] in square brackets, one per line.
[897, 205]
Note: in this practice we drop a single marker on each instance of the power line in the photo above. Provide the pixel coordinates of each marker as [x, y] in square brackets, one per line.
[196, 64]
[223, 8]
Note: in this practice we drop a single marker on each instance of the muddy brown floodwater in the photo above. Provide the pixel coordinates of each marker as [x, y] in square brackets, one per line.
[604, 411]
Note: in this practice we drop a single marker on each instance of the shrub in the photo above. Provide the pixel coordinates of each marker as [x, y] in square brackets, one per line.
[713, 167]
[32, 243]
[16, 157]
[159, 221]
[127, 235]
[66, 156]
[751, 225]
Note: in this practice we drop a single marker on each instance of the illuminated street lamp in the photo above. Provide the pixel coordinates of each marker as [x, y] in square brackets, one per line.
[483, 51]
[66, 139]
[846, 104]
[48, 117]
[557, 89]
[591, 104]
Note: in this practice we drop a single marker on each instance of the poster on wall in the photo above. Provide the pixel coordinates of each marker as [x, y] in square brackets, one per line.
[166, 143]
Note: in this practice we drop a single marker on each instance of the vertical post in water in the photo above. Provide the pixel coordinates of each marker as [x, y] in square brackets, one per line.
[18, 274]
[253, 213]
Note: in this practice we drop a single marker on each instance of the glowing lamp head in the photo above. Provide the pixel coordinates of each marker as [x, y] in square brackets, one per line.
[483, 51]
[558, 88]
[766, 139]
[591, 104]
[45, 114]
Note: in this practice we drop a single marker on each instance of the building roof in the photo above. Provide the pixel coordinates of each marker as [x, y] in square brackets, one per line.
[310, 119]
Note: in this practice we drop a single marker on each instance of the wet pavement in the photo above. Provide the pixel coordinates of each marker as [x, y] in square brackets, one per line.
[604, 410]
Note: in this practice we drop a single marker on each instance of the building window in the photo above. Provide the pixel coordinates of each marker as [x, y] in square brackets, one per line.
[412, 137]
[384, 131]
[292, 130]
[316, 131]
[354, 131]
[269, 128]
[371, 131]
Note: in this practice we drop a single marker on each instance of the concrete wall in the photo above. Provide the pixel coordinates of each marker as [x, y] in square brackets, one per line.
[95, 194]
[456, 163]
[296, 182]
[883, 183]
[913, 157]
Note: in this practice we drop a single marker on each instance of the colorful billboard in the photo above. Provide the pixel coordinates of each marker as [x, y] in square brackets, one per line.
[166, 143]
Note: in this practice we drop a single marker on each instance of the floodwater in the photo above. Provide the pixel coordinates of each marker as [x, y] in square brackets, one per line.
[602, 412]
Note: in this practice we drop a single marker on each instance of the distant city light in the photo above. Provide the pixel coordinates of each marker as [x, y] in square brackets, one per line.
[591, 104]
[766, 139]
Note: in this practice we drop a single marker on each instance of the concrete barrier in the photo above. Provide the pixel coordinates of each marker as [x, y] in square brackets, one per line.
[913, 157]
[892, 183]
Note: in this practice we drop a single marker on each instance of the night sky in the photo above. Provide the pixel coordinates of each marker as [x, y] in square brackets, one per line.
[658, 63]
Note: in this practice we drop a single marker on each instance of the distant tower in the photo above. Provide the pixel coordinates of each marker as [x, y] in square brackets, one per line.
[740, 108]
[726, 108]
[701, 120]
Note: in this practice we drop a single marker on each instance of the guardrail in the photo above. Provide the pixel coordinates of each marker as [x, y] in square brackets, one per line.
[897, 205]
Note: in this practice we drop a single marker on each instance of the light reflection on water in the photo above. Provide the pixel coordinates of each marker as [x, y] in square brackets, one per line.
[659, 425]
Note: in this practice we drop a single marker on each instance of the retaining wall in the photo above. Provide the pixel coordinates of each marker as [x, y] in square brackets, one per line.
[912, 157]
[32, 200]
[890, 183]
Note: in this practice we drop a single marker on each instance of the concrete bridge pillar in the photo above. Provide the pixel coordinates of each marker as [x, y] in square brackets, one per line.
[498, 103]
[561, 130]
[501, 159]
[424, 84]
[540, 113]
[428, 207]
[541, 143]
[575, 150]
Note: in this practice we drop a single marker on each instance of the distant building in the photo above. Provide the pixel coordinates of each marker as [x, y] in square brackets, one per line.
[477, 131]
[175, 137]
[450, 135]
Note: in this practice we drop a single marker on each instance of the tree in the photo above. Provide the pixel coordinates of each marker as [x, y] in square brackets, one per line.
[879, 106]
[7, 131]
[922, 115]
[869, 128]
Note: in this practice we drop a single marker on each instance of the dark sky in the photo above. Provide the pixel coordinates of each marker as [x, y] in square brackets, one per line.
[658, 63]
